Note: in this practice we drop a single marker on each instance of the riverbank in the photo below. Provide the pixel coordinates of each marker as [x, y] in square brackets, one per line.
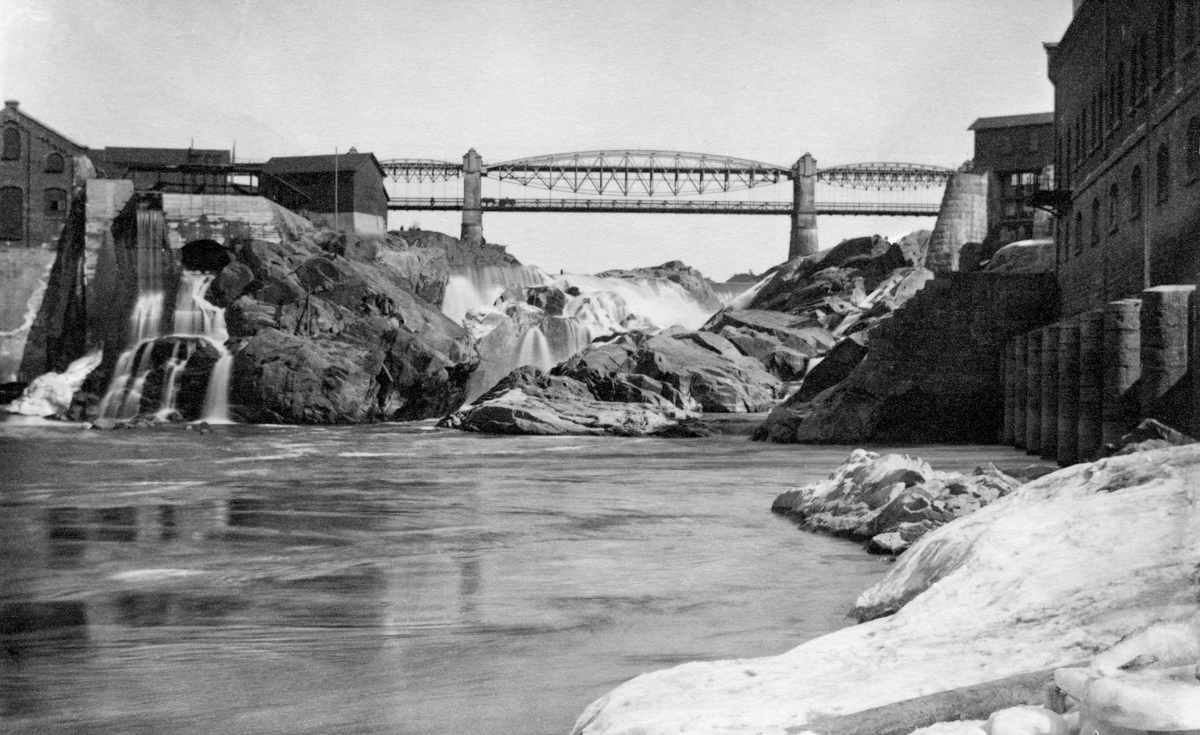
[1060, 569]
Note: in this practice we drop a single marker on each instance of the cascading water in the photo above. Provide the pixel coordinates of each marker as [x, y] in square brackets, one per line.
[594, 307]
[196, 321]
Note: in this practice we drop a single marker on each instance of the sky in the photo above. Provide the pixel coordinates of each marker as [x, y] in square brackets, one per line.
[847, 80]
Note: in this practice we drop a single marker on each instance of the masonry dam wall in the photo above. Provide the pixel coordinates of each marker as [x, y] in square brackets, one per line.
[1072, 386]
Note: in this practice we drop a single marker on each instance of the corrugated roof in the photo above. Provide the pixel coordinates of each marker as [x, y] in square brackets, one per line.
[1012, 121]
[306, 164]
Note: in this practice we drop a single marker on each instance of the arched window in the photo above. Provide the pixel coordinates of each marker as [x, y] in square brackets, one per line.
[1113, 209]
[1095, 221]
[1078, 232]
[1193, 146]
[12, 143]
[1162, 174]
[12, 213]
[1135, 193]
[55, 163]
[56, 203]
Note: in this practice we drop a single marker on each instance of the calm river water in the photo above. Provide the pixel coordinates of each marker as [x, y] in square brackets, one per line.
[392, 579]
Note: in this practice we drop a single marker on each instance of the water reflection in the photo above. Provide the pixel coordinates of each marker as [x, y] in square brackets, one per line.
[383, 579]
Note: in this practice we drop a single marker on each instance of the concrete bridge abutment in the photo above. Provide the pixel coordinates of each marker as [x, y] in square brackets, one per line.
[804, 208]
[472, 211]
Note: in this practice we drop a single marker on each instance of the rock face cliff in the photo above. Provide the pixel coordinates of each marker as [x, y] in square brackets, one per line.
[323, 334]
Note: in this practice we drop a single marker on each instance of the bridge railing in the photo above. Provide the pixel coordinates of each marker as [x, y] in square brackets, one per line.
[661, 206]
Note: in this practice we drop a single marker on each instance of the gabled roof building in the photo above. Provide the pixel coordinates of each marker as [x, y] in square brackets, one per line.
[346, 190]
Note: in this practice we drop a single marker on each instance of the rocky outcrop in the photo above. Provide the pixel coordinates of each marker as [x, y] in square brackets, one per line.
[627, 384]
[891, 500]
[1042, 578]
[528, 401]
[931, 372]
[326, 338]
[808, 306]
[674, 271]
[458, 253]
[695, 371]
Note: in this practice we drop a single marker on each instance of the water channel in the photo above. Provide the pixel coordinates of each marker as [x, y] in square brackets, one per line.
[393, 579]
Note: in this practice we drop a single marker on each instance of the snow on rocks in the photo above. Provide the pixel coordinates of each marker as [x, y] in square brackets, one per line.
[1047, 576]
[51, 394]
[891, 499]
[1026, 721]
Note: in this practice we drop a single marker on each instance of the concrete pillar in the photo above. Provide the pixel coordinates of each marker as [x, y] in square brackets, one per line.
[1164, 353]
[1068, 393]
[1050, 392]
[1020, 390]
[1091, 382]
[1122, 366]
[1033, 392]
[804, 208]
[1007, 435]
[472, 212]
[961, 219]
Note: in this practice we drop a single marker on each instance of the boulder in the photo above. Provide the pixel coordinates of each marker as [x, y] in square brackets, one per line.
[676, 367]
[458, 253]
[1023, 256]
[528, 401]
[832, 369]
[1149, 434]
[892, 499]
[51, 394]
[323, 338]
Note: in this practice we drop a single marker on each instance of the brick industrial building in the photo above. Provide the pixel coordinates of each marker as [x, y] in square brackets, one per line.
[37, 167]
[1127, 148]
[1017, 151]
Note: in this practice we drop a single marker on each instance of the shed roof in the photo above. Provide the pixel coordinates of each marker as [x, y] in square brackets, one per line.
[163, 156]
[329, 162]
[1013, 121]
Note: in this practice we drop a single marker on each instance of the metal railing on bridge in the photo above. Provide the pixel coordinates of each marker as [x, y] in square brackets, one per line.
[660, 206]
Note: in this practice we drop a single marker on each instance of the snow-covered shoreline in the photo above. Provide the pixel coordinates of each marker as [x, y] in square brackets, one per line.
[1047, 576]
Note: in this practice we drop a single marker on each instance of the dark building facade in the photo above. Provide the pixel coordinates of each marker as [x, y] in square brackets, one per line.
[1126, 76]
[37, 169]
[1017, 151]
[356, 204]
[164, 169]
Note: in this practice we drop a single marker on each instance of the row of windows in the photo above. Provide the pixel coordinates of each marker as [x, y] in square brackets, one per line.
[1126, 92]
[1162, 191]
[55, 163]
[12, 209]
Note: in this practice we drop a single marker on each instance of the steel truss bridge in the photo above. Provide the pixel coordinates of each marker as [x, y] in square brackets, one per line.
[659, 206]
[644, 181]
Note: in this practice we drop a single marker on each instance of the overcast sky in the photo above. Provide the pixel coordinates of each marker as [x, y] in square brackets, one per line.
[848, 80]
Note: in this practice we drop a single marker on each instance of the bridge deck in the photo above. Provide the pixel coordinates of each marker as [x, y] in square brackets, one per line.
[650, 206]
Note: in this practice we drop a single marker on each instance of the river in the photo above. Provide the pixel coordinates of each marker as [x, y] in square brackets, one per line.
[393, 579]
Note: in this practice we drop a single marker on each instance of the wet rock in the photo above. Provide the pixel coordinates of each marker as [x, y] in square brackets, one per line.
[321, 338]
[891, 499]
[528, 401]
[676, 368]
[458, 253]
[831, 370]
[676, 272]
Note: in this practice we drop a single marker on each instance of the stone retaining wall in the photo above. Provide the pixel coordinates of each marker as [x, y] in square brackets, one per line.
[1113, 366]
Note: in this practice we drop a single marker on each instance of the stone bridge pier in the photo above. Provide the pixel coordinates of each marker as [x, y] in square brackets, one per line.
[472, 218]
[804, 208]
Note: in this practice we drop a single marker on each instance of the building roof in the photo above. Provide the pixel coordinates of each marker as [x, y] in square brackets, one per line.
[309, 164]
[1013, 121]
[13, 107]
[160, 156]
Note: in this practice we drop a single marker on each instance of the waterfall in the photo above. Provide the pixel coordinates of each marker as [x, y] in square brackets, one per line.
[196, 321]
[593, 307]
